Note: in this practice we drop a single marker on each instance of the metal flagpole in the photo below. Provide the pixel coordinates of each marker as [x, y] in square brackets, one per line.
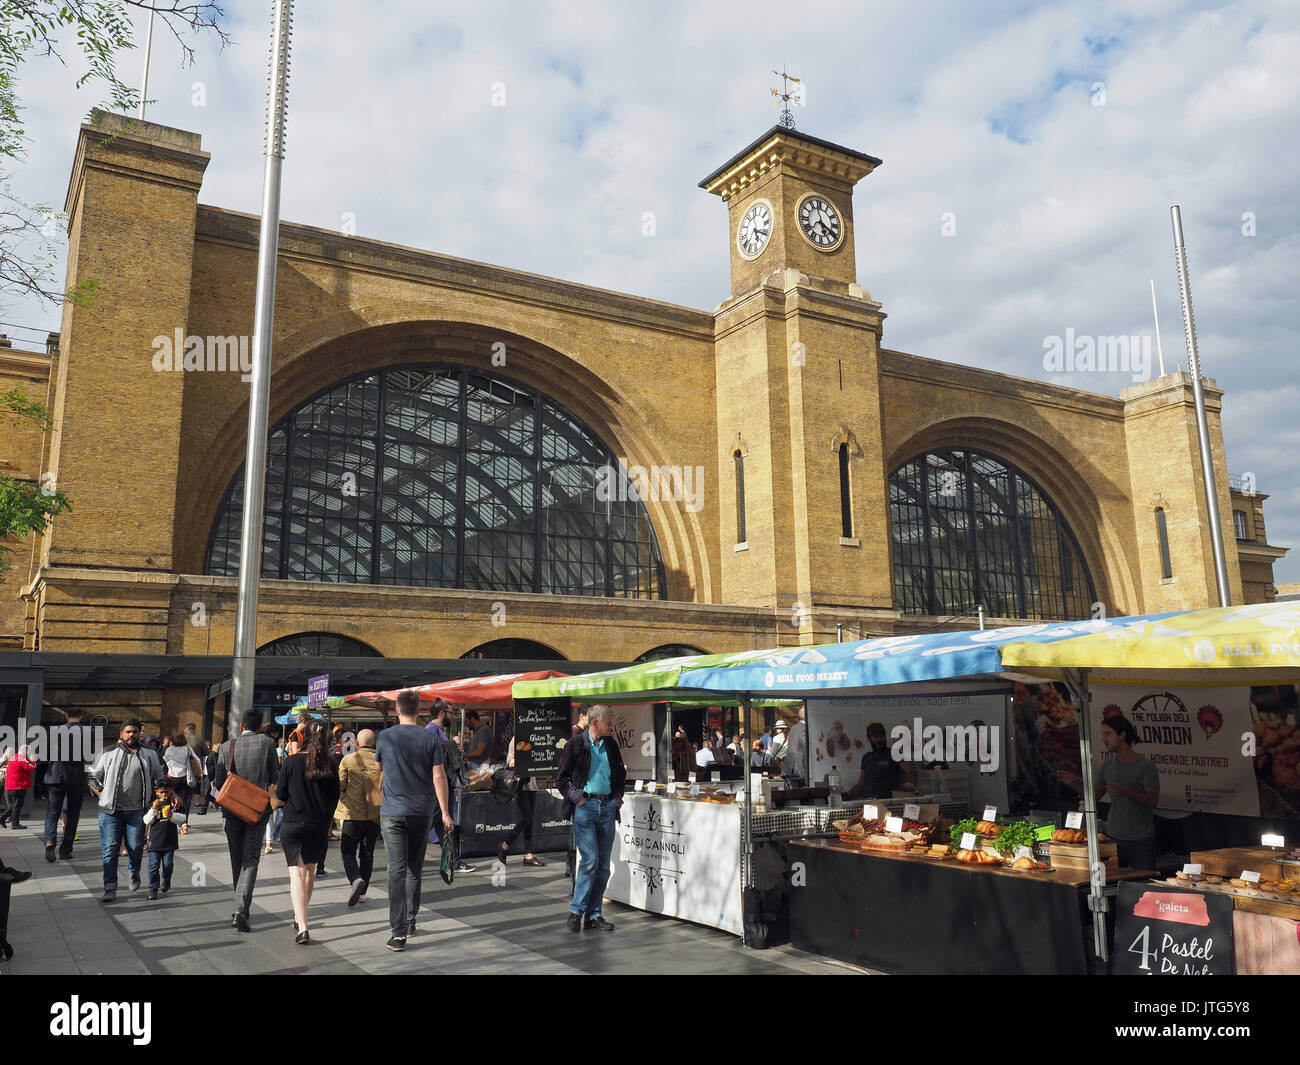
[1160, 348]
[250, 544]
[1202, 425]
[144, 82]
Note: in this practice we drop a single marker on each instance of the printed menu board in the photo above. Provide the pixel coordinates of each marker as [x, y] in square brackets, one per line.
[542, 729]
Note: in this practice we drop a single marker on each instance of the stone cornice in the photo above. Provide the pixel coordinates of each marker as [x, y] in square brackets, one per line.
[363, 254]
[788, 149]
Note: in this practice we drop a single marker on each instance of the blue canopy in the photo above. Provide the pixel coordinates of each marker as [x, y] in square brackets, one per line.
[867, 666]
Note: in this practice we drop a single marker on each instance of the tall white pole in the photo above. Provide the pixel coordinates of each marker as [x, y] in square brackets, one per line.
[144, 82]
[1160, 349]
[250, 544]
[1202, 424]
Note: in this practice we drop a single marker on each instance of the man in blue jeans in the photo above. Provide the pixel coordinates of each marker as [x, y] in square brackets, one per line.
[411, 760]
[591, 777]
[123, 781]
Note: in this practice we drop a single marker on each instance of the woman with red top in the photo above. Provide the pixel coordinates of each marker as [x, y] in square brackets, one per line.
[18, 778]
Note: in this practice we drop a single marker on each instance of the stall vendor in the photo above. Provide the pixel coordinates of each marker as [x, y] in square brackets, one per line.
[1131, 784]
[882, 774]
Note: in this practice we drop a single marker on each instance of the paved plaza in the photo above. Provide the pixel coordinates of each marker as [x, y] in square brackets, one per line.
[58, 926]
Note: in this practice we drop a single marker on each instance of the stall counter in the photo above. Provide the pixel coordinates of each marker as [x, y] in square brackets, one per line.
[680, 858]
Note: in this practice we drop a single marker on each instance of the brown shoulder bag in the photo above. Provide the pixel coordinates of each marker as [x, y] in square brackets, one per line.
[242, 797]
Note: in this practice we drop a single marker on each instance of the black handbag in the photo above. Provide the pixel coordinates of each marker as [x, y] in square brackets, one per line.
[505, 784]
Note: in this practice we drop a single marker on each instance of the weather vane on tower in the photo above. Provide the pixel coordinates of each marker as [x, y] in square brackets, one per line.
[787, 94]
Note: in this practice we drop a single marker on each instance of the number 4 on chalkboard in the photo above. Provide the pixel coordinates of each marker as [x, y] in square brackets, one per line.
[1146, 951]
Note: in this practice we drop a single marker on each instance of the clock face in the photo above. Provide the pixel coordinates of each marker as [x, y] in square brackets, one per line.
[820, 222]
[755, 229]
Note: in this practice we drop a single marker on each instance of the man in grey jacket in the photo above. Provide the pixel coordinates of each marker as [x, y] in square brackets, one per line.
[256, 762]
[122, 779]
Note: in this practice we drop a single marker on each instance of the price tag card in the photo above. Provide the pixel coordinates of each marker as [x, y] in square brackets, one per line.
[893, 824]
[969, 841]
[1273, 841]
[640, 785]
[990, 813]
[871, 813]
[1074, 820]
[1192, 868]
[672, 786]
[912, 811]
[1024, 852]
[1250, 876]
[693, 790]
[690, 777]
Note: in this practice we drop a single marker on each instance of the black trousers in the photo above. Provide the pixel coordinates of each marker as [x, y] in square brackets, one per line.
[58, 796]
[527, 804]
[14, 798]
[358, 849]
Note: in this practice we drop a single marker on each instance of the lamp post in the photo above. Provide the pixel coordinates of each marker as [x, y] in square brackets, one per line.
[250, 543]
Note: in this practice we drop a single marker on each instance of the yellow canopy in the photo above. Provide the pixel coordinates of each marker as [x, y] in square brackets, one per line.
[1257, 644]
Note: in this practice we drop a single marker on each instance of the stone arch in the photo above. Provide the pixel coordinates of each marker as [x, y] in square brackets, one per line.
[1057, 475]
[315, 357]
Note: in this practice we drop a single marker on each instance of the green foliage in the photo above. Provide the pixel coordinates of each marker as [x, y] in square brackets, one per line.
[1021, 834]
[25, 507]
[960, 829]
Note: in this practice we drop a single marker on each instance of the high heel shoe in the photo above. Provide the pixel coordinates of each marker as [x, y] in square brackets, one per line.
[302, 938]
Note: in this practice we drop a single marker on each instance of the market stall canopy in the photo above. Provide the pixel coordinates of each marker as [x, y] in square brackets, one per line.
[886, 665]
[1236, 645]
[486, 693]
[333, 702]
[643, 682]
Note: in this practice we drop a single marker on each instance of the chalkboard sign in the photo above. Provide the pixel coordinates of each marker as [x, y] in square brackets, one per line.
[542, 729]
[1165, 932]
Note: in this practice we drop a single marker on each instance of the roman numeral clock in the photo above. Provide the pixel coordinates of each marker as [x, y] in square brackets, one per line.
[820, 223]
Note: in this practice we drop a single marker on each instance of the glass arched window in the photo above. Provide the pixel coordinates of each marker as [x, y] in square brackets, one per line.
[318, 645]
[525, 649]
[739, 461]
[846, 499]
[970, 530]
[669, 650]
[444, 477]
[1162, 534]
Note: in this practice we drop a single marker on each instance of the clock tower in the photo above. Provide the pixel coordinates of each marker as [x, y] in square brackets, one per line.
[798, 390]
[790, 198]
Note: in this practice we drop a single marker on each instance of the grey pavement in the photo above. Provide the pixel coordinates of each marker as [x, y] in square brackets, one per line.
[58, 926]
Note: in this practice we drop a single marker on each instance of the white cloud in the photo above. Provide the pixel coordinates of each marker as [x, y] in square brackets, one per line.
[1062, 206]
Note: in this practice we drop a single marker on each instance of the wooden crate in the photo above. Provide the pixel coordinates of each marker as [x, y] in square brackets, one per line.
[1230, 861]
[1074, 856]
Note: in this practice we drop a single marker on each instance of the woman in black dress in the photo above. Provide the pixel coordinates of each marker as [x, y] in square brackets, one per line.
[309, 789]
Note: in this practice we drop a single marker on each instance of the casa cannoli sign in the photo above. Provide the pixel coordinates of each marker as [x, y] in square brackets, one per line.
[649, 842]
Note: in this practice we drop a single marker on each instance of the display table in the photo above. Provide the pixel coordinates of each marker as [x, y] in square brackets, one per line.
[486, 821]
[680, 858]
[911, 915]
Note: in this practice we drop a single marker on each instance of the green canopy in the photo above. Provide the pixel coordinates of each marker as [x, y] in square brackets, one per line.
[646, 682]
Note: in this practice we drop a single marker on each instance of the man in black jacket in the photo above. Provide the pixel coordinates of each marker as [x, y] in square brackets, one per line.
[65, 779]
[591, 779]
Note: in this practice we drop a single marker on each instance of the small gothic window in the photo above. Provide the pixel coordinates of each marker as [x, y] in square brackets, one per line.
[846, 507]
[740, 497]
[1166, 567]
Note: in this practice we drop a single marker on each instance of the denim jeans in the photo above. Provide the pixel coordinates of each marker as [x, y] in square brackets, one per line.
[593, 827]
[273, 825]
[54, 810]
[111, 829]
[405, 841]
[165, 859]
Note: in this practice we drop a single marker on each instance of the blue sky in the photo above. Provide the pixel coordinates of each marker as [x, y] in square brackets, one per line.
[990, 113]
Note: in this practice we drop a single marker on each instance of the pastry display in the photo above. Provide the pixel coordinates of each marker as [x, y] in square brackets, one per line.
[1076, 835]
[988, 828]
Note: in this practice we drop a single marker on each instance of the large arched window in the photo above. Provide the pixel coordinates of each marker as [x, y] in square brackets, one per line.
[971, 530]
[318, 645]
[525, 649]
[448, 478]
